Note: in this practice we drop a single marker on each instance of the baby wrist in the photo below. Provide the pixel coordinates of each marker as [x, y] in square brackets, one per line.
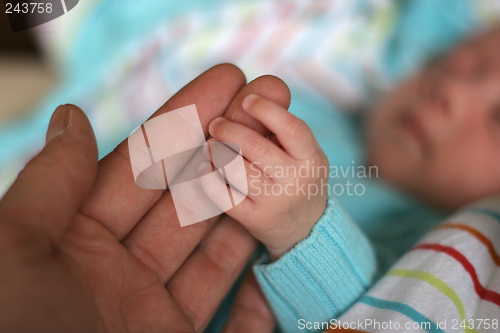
[307, 226]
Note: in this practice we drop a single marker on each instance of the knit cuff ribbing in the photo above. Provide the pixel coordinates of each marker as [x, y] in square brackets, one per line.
[322, 275]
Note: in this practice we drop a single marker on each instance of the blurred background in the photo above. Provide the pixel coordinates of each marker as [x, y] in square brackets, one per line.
[25, 77]
[120, 60]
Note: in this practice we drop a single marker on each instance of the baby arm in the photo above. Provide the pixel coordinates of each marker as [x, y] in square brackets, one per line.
[321, 262]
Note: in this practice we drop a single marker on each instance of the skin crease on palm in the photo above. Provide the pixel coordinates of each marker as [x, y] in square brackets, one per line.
[438, 135]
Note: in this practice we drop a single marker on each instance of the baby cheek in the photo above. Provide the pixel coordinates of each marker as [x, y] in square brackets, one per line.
[465, 171]
[472, 102]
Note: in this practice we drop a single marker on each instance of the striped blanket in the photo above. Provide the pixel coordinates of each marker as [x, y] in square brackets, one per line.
[449, 282]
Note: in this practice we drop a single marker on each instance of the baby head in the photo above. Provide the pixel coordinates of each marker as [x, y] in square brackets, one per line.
[438, 134]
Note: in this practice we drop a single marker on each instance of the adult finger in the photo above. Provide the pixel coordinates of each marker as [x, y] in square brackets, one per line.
[250, 311]
[211, 270]
[50, 189]
[115, 200]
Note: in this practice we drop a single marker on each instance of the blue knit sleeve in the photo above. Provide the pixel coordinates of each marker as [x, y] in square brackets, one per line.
[322, 276]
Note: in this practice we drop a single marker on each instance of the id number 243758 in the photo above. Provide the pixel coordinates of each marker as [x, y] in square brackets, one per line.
[25, 8]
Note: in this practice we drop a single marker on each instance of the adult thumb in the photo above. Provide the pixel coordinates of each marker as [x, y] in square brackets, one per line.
[49, 191]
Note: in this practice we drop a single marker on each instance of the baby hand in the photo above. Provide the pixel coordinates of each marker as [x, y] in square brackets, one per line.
[287, 175]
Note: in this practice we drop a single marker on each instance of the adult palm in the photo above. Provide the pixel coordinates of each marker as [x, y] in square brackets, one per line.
[83, 249]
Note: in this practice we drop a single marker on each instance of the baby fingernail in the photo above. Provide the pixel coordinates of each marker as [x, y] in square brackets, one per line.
[204, 168]
[206, 152]
[248, 101]
[59, 122]
[208, 146]
[213, 125]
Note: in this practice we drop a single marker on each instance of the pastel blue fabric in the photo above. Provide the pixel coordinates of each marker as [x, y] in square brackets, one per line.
[322, 274]
[426, 28]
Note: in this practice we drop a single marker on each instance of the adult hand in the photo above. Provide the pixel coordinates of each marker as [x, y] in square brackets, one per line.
[250, 312]
[84, 249]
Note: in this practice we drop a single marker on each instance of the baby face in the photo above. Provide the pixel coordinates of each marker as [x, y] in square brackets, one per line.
[438, 135]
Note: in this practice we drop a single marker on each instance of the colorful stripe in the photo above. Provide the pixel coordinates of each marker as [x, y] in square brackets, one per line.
[487, 295]
[404, 309]
[436, 283]
[478, 235]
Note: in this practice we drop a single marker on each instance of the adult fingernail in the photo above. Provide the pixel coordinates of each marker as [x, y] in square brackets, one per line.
[214, 124]
[248, 101]
[60, 122]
